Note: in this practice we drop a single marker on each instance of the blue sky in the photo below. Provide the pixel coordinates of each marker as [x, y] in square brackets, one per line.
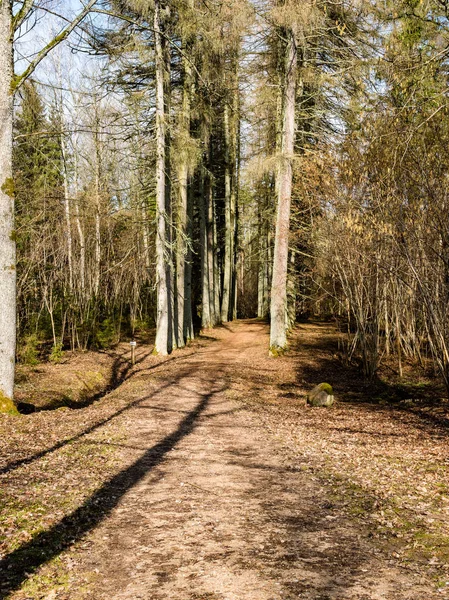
[40, 28]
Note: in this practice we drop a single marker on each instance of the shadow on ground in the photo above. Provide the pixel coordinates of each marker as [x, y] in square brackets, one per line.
[61, 443]
[17, 566]
[121, 369]
[424, 399]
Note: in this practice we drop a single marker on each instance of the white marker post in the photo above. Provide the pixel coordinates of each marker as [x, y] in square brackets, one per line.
[133, 345]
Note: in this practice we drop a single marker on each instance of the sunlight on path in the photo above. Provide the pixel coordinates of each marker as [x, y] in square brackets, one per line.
[207, 505]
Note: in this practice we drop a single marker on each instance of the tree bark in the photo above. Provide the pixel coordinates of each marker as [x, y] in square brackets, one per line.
[231, 131]
[278, 329]
[189, 333]
[183, 242]
[96, 281]
[204, 241]
[216, 279]
[211, 255]
[235, 188]
[7, 243]
[67, 213]
[228, 259]
[162, 324]
[169, 229]
[79, 226]
[262, 308]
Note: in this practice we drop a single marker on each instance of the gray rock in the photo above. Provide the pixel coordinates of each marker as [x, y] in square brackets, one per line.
[321, 395]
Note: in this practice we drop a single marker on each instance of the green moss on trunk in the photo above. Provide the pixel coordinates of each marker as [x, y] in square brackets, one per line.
[8, 187]
[277, 351]
[7, 405]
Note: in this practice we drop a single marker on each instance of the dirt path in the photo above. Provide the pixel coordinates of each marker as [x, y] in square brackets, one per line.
[207, 504]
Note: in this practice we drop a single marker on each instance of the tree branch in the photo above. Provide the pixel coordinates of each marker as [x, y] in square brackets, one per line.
[18, 80]
[166, 37]
[23, 13]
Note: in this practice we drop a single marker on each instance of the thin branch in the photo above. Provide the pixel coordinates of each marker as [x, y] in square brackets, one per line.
[161, 33]
[23, 13]
[20, 79]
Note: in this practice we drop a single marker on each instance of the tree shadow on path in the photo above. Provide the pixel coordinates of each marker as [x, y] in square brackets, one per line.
[17, 566]
[36, 456]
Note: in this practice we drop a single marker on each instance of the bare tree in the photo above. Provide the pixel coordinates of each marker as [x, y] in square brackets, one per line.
[10, 84]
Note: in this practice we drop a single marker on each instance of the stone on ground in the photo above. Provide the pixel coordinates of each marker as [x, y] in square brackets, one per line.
[321, 395]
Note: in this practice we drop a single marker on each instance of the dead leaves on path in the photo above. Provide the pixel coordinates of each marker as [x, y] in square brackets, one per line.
[384, 466]
[387, 466]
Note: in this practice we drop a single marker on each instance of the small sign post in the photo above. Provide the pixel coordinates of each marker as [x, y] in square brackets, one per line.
[133, 345]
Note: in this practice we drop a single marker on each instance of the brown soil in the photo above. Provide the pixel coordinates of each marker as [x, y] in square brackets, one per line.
[204, 476]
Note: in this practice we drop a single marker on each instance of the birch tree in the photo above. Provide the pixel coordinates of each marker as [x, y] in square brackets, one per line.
[7, 243]
[10, 24]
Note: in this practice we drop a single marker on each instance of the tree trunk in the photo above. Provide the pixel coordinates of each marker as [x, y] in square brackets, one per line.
[183, 226]
[169, 250]
[79, 227]
[228, 259]
[211, 256]
[7, 243]
[291, 290]
[181, 251]
[145, 234]
[188, 317]
[216, 275]
[262, 267]
[96, 282]
[162, 324]
[204, 240]
[278, 330]
[235, 188]
[231, 130]
[67, 214]
[265, 254]
[211, 312]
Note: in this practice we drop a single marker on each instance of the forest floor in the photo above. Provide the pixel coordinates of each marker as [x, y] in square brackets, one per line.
[205, 476]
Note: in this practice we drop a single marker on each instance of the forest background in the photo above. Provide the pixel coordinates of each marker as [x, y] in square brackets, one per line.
[176, 165]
